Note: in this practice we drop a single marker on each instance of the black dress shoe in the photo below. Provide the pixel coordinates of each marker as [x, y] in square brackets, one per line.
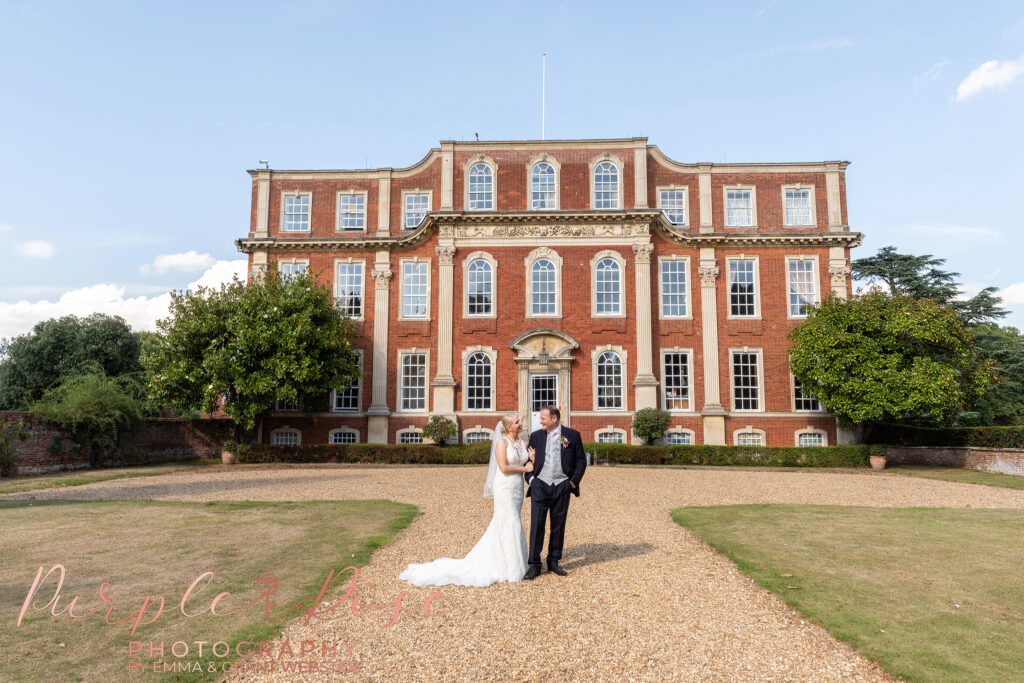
[532, 573]
[553, 567]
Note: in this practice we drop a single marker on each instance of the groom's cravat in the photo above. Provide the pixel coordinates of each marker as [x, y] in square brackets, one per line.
[551, 473]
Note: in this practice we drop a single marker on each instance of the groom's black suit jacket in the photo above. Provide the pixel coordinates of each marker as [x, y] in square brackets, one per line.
[574, 460]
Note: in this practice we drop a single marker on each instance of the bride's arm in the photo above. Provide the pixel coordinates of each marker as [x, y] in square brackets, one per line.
[502, 458]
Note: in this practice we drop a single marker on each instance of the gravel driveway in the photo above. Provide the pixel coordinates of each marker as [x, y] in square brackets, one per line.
[644, 599]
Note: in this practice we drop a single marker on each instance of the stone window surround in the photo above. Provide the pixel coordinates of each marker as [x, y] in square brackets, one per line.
[337, 210]
[349, 430]
[757, 288]
[661, 290]
[814, 209]
[753, 205]
[546, 158]
[792, 399]
[618, 258]
[430, 204]
[477, 429]
[474, 256]
[749, 429]
[814, 280]
[426, 387]
[681, 430]
[556, 260]
[359, 398]
[286, 429]
[493, 355]
[401, 285]
[686, 200]
[689, 369]
[362, 284]
[293, 260]
[810, 430]
[480, 159]
[760, 379]
[623, 357]
[296, 193]
[611, 429]
[407, 430]
[607, 156]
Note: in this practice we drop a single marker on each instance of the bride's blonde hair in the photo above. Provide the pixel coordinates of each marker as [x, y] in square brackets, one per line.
[506, 422]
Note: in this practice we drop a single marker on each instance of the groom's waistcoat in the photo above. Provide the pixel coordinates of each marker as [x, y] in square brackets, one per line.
[551, 473]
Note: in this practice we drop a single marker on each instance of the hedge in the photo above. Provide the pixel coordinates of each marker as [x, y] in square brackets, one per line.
[417, 454]
[766, 456]
[984, 437]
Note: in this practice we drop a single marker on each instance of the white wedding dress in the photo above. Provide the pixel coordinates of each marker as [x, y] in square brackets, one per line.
[500, 554]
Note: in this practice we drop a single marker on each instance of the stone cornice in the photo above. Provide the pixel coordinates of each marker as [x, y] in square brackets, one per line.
[768, 167]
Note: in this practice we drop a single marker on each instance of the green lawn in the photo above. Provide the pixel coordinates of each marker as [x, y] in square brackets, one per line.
[158, 548]
[929, 594]
[89, 476]
[1009, 481]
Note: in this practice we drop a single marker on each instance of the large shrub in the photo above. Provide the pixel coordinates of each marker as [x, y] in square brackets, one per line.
[439, 429]
[650, 423]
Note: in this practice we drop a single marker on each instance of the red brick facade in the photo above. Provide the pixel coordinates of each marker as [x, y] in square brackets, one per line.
[635, 234]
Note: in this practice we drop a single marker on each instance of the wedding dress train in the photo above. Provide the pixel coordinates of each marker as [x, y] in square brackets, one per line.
[501, 553]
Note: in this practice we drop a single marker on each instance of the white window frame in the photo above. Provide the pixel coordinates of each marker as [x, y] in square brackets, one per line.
[281, 262]
[814, 211]
[481, 159]
[760, 380]
[757, 287]
[430, 207]
[593, 186]
[816, 296]
[685, 189]
[543, 159]
[401, 287]
[493, 356]
[753, 205]
[409, 430]
[478, 429]
[623, 357]
[810, 430]
[426, 377]
[611, 429]
[621, 263]
[749, 429]
[689, 377]
[359, 391]
[286, 430]
[341, 430]
[337, 210]
[309, 218]
[466, 262]
[556, 261]
[362, 284]
[792, 397]
[661, 288]
[679, 430]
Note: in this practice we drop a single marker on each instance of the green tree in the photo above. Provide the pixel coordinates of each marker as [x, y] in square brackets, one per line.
[278, 338]
[880, 358]
[439, 429]
[650, 423]
[1003, 404]
[59, 348]
[920, 277]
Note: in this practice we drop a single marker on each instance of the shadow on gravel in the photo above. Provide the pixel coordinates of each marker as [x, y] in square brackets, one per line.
[595, 553]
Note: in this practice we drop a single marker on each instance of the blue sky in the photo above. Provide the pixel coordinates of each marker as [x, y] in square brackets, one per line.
[126, 128]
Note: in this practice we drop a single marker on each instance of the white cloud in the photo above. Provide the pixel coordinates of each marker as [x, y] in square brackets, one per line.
[6, 227]
[944, 229]
[1014, 294]
[141, 312]
[36, 249]
[991, 74]
[808, 46]
[934, 72]
[186, 262]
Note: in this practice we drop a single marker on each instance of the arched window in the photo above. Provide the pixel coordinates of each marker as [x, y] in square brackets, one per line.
[479, 288]
[606, 186]
[481, 187]
[609, 381]
[285, 437]
[607, 288]
[479, 382]
[543, 190]
[542, 288]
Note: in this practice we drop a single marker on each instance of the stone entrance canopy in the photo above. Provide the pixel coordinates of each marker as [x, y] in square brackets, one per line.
[544, 351]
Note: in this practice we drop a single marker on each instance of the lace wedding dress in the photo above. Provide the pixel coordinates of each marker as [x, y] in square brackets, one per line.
[500, 554]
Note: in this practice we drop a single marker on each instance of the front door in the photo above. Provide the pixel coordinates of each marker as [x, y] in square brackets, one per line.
[543, 393]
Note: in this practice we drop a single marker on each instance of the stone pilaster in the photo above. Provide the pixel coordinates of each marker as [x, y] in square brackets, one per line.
[444, 382]
[384, 206]
[645, 384]
[713, 413]
[262, 204]
[640, 177]
[839, 272]
[259, 265]
[377, 415]
[835, 210]
[447, 175]
[704, 184]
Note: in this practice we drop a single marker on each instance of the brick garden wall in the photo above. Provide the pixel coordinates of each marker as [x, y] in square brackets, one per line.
[158, 440]
[1001, 460]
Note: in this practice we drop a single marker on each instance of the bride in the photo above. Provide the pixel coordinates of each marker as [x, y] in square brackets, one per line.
[500, 554]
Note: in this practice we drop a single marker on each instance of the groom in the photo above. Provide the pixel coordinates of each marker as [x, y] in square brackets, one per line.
[558, 468]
